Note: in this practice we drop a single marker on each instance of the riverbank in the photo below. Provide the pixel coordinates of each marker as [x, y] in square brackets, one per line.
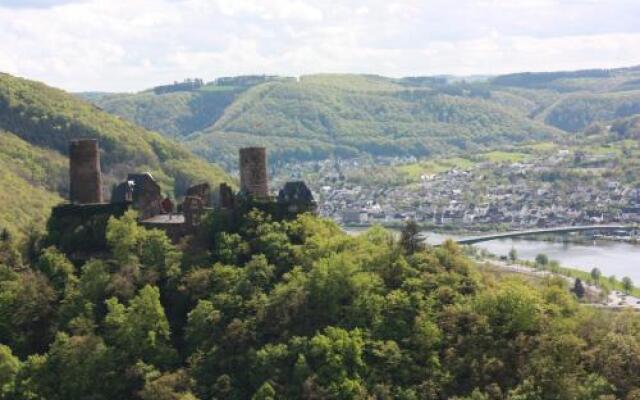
[615, 260]
[607, 294]
[612, 258]
[608, 284]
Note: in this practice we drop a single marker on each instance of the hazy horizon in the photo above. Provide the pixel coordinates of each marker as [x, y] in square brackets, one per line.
[97, 45]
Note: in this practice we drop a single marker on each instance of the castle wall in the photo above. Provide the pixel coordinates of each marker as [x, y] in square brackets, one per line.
[84, 172]
[203, 191]
[146, 196]
[253, 172]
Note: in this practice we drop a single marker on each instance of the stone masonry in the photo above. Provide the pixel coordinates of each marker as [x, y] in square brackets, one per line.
[253, 172]
[84, 172]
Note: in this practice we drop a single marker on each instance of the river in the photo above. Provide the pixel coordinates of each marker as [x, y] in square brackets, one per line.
[612, 258]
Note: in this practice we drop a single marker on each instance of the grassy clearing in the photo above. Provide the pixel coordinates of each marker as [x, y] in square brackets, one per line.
[431, 167]
[603, 150]
[504, 156]
[542, 147]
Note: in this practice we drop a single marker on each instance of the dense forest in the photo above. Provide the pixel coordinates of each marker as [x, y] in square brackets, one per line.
[268, 309]
[320, 116]
[36, 124]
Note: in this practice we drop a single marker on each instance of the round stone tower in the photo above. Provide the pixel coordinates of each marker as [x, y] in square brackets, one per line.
[253, 172]
[84, 172]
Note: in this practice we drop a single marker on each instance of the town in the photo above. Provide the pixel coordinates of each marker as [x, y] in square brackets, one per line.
[560, 190]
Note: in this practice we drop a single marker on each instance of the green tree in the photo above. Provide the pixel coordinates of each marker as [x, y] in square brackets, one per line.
[542, 260]
[9, 367]
[141, 330]
[168, 386]
[27, 313]
[337, 357]
[554, 266]
[74, 368]
[410, 238]
[230, 248]
[616, 357]
[123, 235]
[578, 288]
[595, 275]
[475, 395]
[512, 308]
[266, 392]
[158, 256]
[513, 255]
[203, 323]
[55, 266]
[627, 284]
[94, 281]
[9, 253]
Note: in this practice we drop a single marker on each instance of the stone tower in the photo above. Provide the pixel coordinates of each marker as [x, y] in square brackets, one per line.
[253, 172]
[84, 172]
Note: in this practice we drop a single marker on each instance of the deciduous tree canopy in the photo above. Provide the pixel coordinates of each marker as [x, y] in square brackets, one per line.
[296, 309]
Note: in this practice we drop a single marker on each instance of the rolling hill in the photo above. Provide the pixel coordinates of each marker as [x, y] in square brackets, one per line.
[318, 116]
[36, 124]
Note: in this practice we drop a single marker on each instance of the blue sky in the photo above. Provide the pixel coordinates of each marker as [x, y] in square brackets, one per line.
[128, 45]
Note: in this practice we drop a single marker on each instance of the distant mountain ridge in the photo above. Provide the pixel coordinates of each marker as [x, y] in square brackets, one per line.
[324, 115]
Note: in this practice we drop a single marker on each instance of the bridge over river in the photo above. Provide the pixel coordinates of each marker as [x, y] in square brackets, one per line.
[532, 232]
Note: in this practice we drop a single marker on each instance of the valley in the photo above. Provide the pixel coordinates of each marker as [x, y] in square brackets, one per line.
[495, 153]
[319, 200]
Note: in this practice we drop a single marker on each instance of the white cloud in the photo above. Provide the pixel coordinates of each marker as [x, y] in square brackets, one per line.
[117, 45]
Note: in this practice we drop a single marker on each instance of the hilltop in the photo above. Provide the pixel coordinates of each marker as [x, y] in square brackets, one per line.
[319, 116]
[36, 124]
[297, 309]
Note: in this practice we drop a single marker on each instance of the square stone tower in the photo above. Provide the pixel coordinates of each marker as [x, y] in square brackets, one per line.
[253, 172]
[84, 172]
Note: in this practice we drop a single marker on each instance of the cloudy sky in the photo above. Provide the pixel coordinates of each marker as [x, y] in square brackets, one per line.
[127, 45]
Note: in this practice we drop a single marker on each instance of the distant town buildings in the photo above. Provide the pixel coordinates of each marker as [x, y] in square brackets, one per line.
[507, 195]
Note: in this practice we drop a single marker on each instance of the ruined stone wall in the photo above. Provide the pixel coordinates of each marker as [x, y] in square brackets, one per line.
[84, 172]
[80, 230]
[253, 172]
[203, 191]
[147, 195]
[226, 198]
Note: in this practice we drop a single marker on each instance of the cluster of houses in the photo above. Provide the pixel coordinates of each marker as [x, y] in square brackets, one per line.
[517, 195]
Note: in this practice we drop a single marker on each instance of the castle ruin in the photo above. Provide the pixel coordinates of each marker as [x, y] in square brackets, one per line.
[83, 220]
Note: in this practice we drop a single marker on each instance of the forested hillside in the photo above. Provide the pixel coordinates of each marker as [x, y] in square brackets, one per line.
[262, 309]
[32, 180]
[349, 116]
[576, 112]
[36, 124]
[319, 116]
[175, 114]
